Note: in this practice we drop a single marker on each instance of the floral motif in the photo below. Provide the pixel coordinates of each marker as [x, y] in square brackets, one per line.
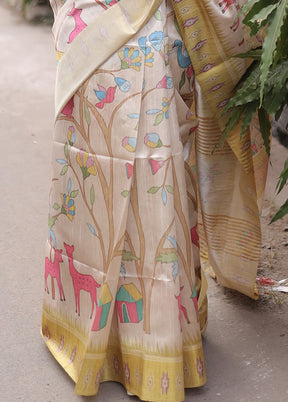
[68, 207]
[150, 381]
[127, 373]
[98, 378]
[116, 364]
[130, 58]
[165, 82]
[194, 236]
[200, 367]
[156, 39]
[71, 135]
[129, 169]
[152, 140]
[165, 383]
[129, 143]
[86, 164]
[68, 108]
[147, 52]
[122, 84]
[155, 165]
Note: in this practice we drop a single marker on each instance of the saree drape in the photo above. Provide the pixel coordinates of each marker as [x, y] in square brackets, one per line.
[132, 165]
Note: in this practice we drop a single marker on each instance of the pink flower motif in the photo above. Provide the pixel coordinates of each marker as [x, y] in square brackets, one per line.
[116, 364]
[165, 383]
[68, 108]
[98, 378]
[155, 165]
[127, 373]
[200, 367]
[194, 236]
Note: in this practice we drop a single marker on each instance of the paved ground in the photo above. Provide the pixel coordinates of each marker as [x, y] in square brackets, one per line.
[246, 344]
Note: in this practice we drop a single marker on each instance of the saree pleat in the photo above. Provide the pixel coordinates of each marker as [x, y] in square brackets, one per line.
[133, 173]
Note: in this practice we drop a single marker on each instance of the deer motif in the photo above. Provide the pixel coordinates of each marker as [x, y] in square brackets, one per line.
[225, 4]
[81, 282]
[53, 269]
[79, 23]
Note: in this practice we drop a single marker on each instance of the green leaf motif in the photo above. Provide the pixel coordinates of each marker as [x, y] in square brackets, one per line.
[87, 113]
[166, 258]
[51, 221]
[159, 119]
[74, 193]
[158, 16]
[153, 190]
[125, 193]
[169, 189]
[128, 256]
[182, 81]
[64, 170]
[66, 149]
[56, 206]
[92, 195]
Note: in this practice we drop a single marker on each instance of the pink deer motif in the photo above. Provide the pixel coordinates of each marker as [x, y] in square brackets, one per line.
[53, 269]
[79, 23]
[225, 4]
[81, 282]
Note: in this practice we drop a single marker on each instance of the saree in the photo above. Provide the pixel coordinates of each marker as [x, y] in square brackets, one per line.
[137, 191]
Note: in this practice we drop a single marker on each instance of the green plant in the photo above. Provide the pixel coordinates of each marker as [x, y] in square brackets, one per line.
[264, 86]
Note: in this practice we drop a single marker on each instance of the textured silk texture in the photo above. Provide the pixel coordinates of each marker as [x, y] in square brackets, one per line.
[123, 298]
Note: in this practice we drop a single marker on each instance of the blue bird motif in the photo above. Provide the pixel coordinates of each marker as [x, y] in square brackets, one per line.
[182, 57]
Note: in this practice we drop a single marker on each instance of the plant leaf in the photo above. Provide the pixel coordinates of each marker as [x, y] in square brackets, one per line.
[249, 111]
[269, 44]
[158, 16]
[282, 212]
[283, 178]
[61, 161]
[263, 13]
[254, 54]
[56, 206]
[234, 118]
[265, 128]
[182, 81]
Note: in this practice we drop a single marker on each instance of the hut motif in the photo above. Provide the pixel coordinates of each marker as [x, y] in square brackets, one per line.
[129, 304]
[103, 308]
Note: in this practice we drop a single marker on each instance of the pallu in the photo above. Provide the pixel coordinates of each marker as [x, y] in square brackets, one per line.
[139, 183]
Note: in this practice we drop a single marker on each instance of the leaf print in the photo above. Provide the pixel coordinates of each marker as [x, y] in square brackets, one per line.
[69, 186]
[158, 15]
[64, 170]
[66, 149]
[169, 189]
[164, 196]
[153, 190]
[56, 206]
[87, 113]
[61, 161]
[125, 193]
[51, 221]
[153, 111]
[156, 40]
[128, 256]
[92, 230]
[134, 115]
[74, 193]
[159, 119]
[182, 81]
[92, 195]
[167, 258]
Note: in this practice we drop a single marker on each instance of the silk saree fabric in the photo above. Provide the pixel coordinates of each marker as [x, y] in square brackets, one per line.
[132, 163]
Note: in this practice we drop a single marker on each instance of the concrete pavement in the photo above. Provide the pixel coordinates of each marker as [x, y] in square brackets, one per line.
[246, 344]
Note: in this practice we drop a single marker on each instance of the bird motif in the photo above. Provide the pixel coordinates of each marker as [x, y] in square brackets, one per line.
[182, 57]
[104, 96]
